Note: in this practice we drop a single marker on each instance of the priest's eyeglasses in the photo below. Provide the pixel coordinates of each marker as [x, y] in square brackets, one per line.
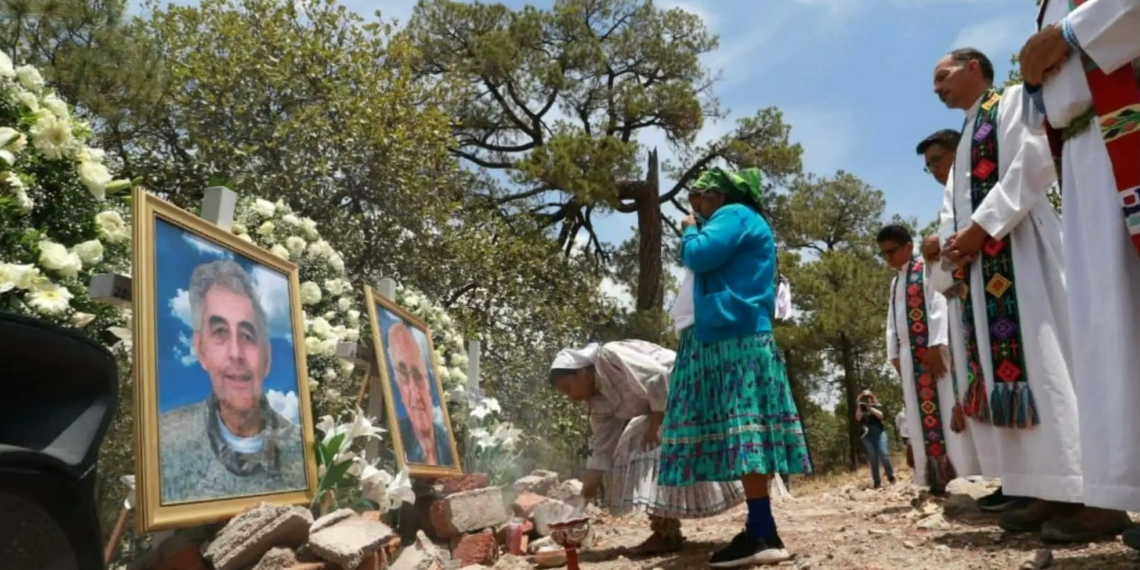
[933, 162]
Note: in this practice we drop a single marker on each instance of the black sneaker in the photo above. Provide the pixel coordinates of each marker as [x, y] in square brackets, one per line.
[997, 502]
[744, 550]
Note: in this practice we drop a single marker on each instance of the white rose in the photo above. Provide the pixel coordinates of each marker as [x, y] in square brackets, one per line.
[238, 228]
[29, 100]
[280, 251]
[291, 220]
[458, 359]
[331, 393]
[16, 276]
[320, 327]
[353, 317]
[444, 319]
[313, 385]
[337, 263]
[319, 248]
[12, 140]
[283, 207]
[458, 374]
[310, 228]
[312, 345]
[90, 252]
[346, 367]
[328, 346]
[330, 374]
[266, 229]
[30, 78]
[95, 177]
[49, 298]
[24, 204]
[56, 105]
[81, 320]
[245, 238]
[352, 335]
[264, 208]
[310, 293]
[334, 286]
[295, 244]
[344, 303]
[111, 227]
[55, 257]
[6, 69]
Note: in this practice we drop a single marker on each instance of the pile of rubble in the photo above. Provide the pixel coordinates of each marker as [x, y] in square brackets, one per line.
[459, 523]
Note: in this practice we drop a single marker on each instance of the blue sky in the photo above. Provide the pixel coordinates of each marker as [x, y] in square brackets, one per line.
[181, 379]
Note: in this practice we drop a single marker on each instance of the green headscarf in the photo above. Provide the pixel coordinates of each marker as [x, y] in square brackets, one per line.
[746, 182]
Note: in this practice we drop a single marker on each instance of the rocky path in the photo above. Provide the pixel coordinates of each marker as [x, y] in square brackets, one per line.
[842, 524]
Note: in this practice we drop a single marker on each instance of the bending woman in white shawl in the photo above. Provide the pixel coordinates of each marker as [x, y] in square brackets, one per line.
[625, 386]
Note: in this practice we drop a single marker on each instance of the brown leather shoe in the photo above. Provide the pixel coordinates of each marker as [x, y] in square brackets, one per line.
[1089, 524]
[1030, 518]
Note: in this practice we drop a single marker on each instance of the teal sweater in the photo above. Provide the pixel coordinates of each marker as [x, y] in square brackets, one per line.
[733, 259]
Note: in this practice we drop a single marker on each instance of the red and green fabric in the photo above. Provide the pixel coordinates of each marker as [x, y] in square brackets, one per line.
[939, 470]
[1011, 403]
[1116, 102]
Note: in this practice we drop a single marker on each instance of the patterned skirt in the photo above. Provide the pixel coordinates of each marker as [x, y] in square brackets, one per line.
[631, 483]
[730, 413]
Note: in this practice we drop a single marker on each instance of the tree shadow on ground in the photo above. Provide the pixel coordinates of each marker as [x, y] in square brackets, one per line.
[960, 509]
[985, 541]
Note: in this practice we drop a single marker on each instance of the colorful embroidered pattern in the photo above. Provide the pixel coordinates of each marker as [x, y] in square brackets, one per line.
[939, 470]
[1116, 98]
[1011, 403]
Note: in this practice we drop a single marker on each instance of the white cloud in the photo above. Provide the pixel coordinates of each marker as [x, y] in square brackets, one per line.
[273, 292]
[180, 307]
[184, 350]
[285, 404]
[205, 247]
[997, 38]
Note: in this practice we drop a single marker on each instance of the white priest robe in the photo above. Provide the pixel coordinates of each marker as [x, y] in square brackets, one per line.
[959, 448]
[1042, 461]
[1103, 270]
[980, 436]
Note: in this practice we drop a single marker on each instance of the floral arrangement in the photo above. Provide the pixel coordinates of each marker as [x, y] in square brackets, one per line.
[57, 226]
[491, 443]
[346, 475]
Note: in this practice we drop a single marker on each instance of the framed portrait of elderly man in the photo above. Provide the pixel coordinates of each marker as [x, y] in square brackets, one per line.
[413, 393]
[222, 413]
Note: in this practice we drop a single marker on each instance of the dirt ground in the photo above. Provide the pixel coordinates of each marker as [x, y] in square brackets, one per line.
[840, 523]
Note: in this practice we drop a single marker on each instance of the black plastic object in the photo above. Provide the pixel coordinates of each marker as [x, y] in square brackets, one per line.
[59, 391]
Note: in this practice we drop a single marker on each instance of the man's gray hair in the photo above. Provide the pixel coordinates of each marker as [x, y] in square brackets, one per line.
[230, 275]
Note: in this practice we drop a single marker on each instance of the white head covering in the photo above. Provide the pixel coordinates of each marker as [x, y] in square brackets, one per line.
[570, 359]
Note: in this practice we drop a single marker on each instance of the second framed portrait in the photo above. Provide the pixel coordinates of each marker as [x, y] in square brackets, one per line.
[413, 393]
[222, 413]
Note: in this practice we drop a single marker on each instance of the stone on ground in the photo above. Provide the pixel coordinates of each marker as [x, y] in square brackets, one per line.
[468, 511]
[349, 540]
[247, 537]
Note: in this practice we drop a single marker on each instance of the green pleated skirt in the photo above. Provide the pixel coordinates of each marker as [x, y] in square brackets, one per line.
[730, 413]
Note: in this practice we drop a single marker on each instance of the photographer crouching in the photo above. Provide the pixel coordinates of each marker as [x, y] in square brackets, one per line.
[868, 413]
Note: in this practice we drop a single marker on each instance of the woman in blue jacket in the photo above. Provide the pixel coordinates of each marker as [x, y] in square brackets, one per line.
[730, 414]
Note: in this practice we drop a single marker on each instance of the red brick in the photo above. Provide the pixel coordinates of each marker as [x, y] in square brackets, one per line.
[314, 566]
[525, 503]
[189, 558]
[374, 561]
[468, 482]
[501, 532]
[478, 548]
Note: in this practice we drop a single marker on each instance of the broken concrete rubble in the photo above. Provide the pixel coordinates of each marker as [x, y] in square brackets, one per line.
[348, 540]
[246, 538]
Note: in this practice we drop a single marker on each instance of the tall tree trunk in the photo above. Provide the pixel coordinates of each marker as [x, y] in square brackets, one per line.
[850, 376]
[650, 293]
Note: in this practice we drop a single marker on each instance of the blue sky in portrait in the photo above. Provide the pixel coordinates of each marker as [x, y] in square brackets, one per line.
[181, 380]
[387, 319]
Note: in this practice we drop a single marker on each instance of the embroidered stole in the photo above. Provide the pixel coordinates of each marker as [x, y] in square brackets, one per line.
[1011, 403]
[939, 469]
[1116, 100]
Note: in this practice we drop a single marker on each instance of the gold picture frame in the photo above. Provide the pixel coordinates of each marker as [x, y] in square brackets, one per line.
[154, 222]
[380, 347]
